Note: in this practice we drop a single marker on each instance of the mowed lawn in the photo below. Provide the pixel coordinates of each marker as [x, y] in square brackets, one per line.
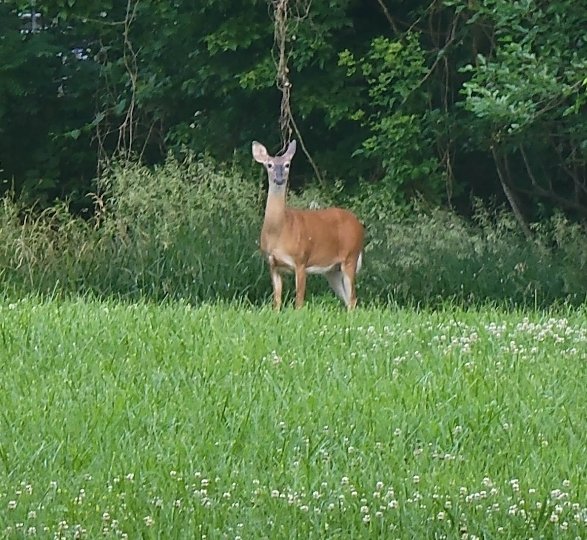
[148, 421]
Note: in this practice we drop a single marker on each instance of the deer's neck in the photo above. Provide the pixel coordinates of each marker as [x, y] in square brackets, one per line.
[274, 216]
[275, 209]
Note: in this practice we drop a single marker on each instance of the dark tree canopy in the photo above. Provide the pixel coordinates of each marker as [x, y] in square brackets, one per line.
[440, 99]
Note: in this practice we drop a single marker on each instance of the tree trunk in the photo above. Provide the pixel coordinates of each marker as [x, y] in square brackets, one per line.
[510, 195]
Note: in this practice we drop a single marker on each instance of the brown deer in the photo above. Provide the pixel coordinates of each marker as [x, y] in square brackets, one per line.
[328, 241]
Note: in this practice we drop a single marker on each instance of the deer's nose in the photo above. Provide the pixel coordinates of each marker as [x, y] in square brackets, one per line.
[280, 177]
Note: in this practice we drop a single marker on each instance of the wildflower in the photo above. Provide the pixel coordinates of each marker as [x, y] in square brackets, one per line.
[11, 505]
[149, 521]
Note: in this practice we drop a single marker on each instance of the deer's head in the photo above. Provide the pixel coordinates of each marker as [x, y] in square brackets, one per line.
[278, 166]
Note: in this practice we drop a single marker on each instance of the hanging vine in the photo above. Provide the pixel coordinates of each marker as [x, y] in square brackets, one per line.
[283, 29]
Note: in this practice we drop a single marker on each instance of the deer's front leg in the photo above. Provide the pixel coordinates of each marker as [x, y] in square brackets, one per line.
[300, 286]
[277, 282]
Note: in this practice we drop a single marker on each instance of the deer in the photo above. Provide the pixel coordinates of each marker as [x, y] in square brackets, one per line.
[325, 241]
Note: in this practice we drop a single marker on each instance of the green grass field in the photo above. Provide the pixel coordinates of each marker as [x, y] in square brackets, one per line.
[149, 421]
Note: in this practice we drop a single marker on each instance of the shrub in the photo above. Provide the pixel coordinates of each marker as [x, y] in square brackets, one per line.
[188, 230]
[180, 230]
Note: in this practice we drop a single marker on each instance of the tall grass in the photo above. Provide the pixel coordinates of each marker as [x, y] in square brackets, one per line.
[135, 420]
[189, 230]
[181, 230]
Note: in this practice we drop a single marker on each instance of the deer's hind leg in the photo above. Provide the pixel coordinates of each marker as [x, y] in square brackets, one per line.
[335, 279]
[349, 272]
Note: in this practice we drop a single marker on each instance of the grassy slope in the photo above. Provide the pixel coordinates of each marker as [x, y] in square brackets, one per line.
[227, 421]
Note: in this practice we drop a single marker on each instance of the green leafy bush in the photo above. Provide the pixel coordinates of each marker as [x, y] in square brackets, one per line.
[180, 230]
[188, 230]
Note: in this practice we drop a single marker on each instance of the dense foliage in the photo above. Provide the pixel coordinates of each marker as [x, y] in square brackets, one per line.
[436, 99]
[189, 231]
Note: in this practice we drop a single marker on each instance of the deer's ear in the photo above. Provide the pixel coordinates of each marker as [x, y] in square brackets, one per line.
[291, 150]
[260, 152]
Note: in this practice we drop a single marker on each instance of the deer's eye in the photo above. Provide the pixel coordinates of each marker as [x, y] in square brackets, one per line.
[287, 165]
[270, 165]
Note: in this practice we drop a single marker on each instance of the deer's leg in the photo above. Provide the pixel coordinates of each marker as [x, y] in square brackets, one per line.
[349, 271]
[335, 280]
[300, 286]
[277, 282]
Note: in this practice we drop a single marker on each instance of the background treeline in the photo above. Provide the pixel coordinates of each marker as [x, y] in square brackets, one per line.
[125, 132]
[442, 99]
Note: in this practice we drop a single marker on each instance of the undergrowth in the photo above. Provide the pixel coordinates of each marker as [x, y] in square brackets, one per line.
[189, 230]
